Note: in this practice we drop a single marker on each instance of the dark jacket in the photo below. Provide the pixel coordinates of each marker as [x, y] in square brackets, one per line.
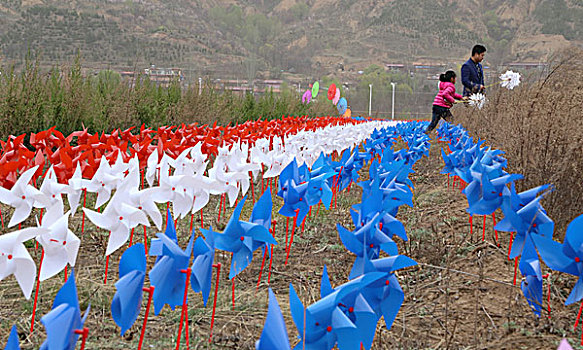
[472, 77]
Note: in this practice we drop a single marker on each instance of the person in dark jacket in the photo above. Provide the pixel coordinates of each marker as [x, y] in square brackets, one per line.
[472, 72]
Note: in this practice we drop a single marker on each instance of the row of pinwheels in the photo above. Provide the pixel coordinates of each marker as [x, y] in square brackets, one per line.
[51, 147]
[491, 188]
[347, 316]
[130, 205]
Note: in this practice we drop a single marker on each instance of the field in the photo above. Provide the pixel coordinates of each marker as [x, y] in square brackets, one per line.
[461, 295]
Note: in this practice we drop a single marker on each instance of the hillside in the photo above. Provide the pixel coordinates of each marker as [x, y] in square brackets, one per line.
[244, 37]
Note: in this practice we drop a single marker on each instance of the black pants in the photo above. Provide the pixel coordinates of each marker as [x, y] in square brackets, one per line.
[439, 113]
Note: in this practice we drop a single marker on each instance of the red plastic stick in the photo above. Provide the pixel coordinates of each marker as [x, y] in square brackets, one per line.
[261, 269]
[471, 225]
[131, 237]
[106, 268]
[291, 240]
[143, 332]
[37, 288]
[494, 225]
[191, 221]
[510, 245]
[233, 291]
[201, 222]
[83, 219]
[252, 186]
[146, 240]
[218, 266]
[66, 272]
[184, 307]
[84, 334]
[578, 315]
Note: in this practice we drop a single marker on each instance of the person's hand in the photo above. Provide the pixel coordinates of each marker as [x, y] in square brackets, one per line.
[482, 87]
[465, 98]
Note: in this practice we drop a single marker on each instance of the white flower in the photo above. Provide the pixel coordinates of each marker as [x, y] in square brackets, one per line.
[510, 79]
[477, 100]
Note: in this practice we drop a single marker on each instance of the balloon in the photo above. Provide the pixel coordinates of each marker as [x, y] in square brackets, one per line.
[307, 97]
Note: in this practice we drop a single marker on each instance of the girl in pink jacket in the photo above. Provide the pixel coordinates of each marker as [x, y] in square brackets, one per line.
[444, 100]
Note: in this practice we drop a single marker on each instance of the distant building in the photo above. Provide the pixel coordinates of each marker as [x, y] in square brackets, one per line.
[395, 66]
[163, 76]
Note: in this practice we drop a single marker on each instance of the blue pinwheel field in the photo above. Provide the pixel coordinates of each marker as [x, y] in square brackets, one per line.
[389, 260]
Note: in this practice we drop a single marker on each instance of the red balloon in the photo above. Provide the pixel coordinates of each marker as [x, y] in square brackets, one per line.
[331, 91]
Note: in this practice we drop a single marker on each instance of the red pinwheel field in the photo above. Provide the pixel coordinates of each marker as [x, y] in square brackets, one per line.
[303, 232]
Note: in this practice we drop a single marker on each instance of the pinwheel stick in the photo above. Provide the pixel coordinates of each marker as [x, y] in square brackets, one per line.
[471, 223]
[218, 266]
[143, 332]
[36, 292]
[233, 291]
[252, 186]
[201, 220]
[494, 226]
[510, 245]
[131, 237]
[261, 269]
[84, 334]
[83, 218]
[578, 315]
[184, 309]
[146, 240]
[1, 218]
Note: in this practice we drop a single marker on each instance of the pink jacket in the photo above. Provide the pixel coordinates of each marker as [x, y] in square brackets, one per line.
[446, 95]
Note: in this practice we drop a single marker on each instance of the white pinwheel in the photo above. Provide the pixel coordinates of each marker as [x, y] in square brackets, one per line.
[141, 199]
[15, 259]
[22, 197]
[60, 245]
[152, 169]
[226, 180]
[77, 184]
[510, 79]
[52, 190]
[118, 218]
[477, 100]
[102, 183]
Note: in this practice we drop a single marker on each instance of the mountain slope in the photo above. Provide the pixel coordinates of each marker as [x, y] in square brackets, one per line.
[243, 37]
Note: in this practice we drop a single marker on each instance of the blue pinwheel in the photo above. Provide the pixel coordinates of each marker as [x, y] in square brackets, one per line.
[127, 300]
[366, 242]
[242, 238]
[274, 335]
[202, 264]
[530, 219]
[322, 165]
[326, 323]
[12, 343]
[166, 275]
[319, 190]
[385, 294]
[64, 318]
[532, 285]
[565, 257]
[486, 192]
[295, 203]
[356, 308]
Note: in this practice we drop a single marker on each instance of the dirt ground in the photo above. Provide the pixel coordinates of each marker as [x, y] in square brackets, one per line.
[461, 296]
